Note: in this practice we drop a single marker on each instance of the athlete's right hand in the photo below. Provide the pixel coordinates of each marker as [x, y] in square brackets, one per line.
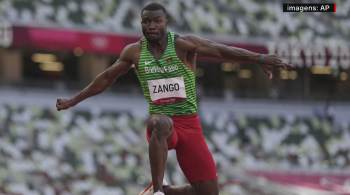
[63, 104]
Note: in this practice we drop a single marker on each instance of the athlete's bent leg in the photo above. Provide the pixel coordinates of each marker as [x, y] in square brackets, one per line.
[209, 187]
[161, 128]
[179, 190]
[195, 159]
[206, 187]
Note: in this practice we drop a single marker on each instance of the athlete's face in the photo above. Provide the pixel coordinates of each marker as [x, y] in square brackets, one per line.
[154, 24]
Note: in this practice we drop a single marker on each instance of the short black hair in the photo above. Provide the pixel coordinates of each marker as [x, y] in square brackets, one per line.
[153, 7]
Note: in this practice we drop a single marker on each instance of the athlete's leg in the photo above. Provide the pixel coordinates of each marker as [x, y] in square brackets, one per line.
[161, 128]
[209, 184]
[179, 190]
[195, 159]
[206, 187]
[204, 183]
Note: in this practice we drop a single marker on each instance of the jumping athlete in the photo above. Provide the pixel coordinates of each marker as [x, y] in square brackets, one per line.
[165, 66]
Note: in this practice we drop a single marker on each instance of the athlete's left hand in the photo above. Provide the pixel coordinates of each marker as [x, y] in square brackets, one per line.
[269, 62]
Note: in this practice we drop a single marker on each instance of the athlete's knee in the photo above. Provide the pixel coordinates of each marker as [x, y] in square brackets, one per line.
[160, 126]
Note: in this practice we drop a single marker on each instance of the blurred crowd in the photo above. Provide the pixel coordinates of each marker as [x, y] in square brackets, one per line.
[43, 151]
[242, 18]
[285, 141]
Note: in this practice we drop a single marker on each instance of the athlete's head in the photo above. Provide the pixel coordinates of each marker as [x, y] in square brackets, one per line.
[154, 20]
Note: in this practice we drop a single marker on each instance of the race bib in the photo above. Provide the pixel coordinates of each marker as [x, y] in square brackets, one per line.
[167, 91]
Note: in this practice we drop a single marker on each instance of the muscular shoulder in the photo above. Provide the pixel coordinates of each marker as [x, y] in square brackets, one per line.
[136, 46]
[191, 42]
[131, 52]
[185, 42]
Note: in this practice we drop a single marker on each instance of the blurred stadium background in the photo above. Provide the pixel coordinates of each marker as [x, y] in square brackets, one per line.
[288, 135]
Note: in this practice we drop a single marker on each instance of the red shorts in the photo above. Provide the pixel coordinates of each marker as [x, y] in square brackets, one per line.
[191, 149]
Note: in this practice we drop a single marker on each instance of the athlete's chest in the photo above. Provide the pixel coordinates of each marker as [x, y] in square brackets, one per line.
[157, 52]
[165, 60]
[164, 67]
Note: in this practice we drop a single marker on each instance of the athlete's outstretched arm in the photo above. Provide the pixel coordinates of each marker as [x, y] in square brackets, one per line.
[101, 82]
[204, 47]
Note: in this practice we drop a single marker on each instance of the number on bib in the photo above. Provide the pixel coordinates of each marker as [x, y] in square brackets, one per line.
[167, 91]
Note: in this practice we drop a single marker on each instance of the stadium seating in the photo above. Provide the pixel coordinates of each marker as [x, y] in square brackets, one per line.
[242, 18]
[104, 152]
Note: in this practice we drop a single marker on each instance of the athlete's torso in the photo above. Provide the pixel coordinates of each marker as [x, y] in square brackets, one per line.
[167, 79]
[188, 58]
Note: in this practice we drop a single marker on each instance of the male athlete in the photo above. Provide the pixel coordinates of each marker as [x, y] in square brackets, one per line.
[165, 66]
